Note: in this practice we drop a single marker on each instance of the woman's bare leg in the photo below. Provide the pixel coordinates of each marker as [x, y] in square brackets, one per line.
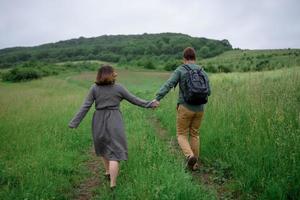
[106, 165]
[113, 171]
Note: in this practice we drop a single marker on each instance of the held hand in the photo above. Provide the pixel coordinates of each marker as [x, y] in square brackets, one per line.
[154, 104]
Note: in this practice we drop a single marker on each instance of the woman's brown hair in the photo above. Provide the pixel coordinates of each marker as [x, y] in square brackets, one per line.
[189, 53]
[106, 75]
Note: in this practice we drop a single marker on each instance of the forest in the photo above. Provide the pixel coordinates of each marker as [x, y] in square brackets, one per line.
[141, 50]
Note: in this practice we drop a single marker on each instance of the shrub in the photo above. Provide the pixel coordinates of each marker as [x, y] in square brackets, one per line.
[34, 70]
[172, 65]
[246, 68]
[109, 57]
[224, 68]
[123, 60]
[47, 71]
[262, 65]
[211, 68]
[149, 65]
[21, 74]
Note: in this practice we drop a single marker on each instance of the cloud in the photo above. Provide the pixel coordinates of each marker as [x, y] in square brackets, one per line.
[246, 24]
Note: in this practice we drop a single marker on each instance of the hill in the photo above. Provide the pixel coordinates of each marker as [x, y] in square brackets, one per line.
[252, 60]
[142, 50]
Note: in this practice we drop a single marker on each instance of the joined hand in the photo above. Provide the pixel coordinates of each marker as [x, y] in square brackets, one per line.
[154, 103]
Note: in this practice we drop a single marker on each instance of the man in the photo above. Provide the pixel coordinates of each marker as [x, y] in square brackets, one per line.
[188, 116]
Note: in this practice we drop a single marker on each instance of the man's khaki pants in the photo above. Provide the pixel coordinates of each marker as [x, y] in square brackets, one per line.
[188, 124]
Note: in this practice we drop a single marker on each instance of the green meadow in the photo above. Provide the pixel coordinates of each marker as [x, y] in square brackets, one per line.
[252, 60]
[250, 135]
[251, 131]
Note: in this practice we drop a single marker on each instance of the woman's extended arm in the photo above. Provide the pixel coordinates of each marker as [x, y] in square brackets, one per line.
[133, 99]
[89, 100]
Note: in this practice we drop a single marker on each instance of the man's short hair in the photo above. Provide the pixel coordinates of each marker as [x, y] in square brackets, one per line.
[189, 53]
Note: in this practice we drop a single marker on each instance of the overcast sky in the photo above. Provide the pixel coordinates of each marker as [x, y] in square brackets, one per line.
[247, 24]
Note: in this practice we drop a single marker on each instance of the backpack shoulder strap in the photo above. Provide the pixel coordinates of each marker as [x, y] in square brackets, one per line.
[186, 67]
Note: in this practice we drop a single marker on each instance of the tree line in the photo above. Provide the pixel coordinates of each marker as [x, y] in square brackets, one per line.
[147, 50]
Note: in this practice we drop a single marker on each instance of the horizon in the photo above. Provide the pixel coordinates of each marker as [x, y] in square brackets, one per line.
[53, 42]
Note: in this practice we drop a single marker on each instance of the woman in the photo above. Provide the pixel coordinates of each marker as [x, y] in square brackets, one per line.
[107, 124]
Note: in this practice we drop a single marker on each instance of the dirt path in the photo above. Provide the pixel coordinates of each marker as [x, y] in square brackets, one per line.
[85, 190]
[208, 175]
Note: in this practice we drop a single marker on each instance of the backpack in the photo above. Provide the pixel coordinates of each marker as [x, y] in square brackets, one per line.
[196, 87]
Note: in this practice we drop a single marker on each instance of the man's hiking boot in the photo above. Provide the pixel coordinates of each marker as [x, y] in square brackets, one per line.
[113, 188]
[195, 167]
[107, 177]
[191, 161]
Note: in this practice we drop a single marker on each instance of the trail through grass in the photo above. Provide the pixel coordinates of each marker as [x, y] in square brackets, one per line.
[151, 172]
[206, 175]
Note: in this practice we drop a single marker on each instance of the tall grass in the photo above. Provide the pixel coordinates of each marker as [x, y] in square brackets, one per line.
[40, 158]
[252, 124]
[152, 171]
[252, 60]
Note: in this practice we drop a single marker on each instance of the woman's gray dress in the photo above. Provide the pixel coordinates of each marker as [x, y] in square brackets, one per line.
[107, 125]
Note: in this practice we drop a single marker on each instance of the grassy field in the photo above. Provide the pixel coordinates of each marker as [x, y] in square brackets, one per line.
[251, 129]
[40, 157]
[151, 172]
[252, 60]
